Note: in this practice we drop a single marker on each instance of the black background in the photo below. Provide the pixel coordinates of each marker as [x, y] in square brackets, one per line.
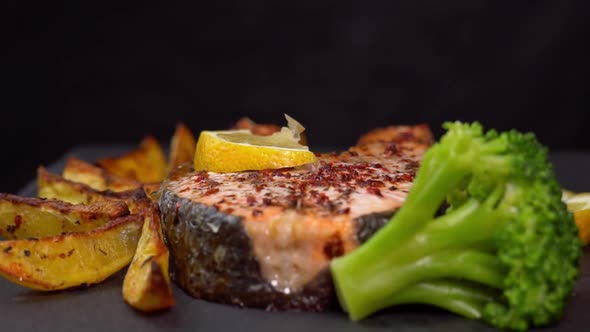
[83, 74]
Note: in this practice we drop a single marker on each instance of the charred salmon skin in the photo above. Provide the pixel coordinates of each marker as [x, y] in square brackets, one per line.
[265, 238]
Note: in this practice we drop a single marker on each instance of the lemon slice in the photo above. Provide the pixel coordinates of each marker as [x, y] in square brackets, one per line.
[240, 150]
[579, 205]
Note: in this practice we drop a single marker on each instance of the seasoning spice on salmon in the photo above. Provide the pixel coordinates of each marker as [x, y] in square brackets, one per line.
[265, 238]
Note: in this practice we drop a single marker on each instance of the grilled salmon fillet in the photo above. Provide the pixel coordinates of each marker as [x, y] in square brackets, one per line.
[266, 238]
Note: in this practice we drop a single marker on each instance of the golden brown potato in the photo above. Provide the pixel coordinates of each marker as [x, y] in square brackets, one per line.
[145, 164]
[397, 133]
[182, 146]
[263, 129]
[77, 170]
[23, 217]
[53, 186]
[151, 190]
[75, 233]
[73, 259]
[147, 284]
[137, 200]
[86, 224]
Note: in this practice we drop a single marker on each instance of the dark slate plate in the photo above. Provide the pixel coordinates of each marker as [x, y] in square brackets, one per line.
[101, 308]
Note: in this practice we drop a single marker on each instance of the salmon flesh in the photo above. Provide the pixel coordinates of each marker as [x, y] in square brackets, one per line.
[265, 238]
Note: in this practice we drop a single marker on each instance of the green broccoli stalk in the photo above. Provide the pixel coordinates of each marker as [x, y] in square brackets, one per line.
[506, 250]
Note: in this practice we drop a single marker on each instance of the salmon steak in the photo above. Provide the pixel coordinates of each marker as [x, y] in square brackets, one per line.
[266, 238]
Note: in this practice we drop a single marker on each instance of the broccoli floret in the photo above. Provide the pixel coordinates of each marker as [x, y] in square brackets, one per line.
[505, 250]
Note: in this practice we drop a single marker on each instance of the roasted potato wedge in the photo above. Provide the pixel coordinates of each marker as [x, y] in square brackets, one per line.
[23, 217]
[145, 164]
[147, 284]
[151, 190]
[53, 186]
[77, 170]
[264, 129]
[182, 146]
[86, 224]
[137, 200]
[73, 259]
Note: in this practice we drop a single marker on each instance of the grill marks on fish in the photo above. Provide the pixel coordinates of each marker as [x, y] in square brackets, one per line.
[297, 220]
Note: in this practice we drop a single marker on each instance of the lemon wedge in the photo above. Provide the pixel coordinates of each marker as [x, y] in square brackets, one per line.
[241, 150]
[579, 205]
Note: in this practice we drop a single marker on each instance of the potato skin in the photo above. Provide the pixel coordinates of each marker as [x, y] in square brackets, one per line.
[77, 170]
[23, 217]
[145, 164]
[182, 147]
[146, 286]
[73, 259]
[53, 186]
